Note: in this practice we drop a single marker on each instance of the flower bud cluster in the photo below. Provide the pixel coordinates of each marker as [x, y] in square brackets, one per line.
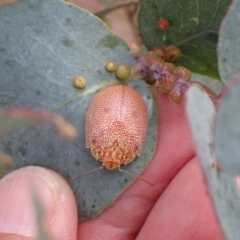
[167, 78]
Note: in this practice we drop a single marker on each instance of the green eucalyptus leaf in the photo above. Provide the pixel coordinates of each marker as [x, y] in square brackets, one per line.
[222, 187]
[193, 27]
[227, 131]
[228, 45]
[17, 119]
[44, 44]
[42, 234]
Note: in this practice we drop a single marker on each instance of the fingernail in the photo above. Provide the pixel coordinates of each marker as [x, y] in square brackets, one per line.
[17, 213]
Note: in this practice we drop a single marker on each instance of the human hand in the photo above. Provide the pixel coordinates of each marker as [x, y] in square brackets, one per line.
[176, 208]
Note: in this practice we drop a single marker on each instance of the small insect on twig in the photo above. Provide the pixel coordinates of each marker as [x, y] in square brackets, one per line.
[116, 128]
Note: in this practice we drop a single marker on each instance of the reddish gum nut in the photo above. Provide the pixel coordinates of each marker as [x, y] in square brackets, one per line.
[151, 58]
[176, 96]
[116, 126]
[169, 67]
[163, 24]
[168, 82]
[182, 72]
[177, 93]
[160, 87]
[165, 84]
[172, 53]
[160, 53]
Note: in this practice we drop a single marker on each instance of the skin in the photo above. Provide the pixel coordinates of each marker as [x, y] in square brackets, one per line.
[177, 207]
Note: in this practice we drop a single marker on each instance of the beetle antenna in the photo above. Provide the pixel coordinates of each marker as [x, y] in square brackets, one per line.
[121, 170]
[81, 175]
[135, 176]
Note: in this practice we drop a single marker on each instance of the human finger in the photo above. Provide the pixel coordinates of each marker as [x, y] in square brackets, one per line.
[17, 213]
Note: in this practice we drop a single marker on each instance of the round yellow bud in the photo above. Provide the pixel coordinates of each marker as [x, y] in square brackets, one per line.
[123, 72]
[80, 82]
[111, 66]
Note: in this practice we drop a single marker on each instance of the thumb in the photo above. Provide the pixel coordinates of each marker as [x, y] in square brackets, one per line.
[17, 213]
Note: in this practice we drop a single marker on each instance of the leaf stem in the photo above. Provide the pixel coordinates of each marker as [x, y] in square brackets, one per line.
[102, 13]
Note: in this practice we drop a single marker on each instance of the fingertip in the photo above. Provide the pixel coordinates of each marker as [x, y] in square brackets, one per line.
[17, 213]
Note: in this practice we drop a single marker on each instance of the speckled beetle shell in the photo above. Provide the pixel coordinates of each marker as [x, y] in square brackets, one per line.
[116, 126]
